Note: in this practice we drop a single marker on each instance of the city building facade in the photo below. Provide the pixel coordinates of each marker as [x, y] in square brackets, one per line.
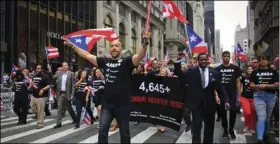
[218, 55]
[266, 26]
[128, 18]
[241, 37]
[251, 32]
[198, 17]
[32, 25]
[209, 23]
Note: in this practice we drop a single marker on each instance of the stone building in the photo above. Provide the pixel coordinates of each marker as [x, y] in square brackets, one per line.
[241, 37]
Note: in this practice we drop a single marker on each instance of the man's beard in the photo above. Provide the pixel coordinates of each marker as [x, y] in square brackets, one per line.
[115, 56]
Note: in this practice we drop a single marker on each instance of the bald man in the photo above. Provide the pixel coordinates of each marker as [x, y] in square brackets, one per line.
[117, 72]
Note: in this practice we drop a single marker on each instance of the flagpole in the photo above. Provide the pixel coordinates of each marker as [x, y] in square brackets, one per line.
[189, 54]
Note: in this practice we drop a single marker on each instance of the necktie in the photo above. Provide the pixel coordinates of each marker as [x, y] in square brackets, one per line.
[202, 78]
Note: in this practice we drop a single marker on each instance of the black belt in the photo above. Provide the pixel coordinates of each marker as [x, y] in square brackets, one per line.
[62, 91]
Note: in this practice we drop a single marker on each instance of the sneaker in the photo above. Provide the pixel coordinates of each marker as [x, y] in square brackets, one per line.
[260, 142]
[225, 135]
[39, 126]
[232, 134]
[252, 131]
[246, 129]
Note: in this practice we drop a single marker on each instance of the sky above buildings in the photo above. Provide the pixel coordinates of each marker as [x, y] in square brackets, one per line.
[228, 14]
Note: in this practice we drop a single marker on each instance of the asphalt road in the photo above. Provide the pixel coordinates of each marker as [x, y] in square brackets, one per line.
[142, 133]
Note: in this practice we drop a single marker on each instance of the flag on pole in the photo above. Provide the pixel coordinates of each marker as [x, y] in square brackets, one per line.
[240, 53]
[52, 52]
[166, 60]
[28, 80]
[14, 70]
[86, 117]
[147, 61]
[172, 11]
[197, 44]
[85, 39]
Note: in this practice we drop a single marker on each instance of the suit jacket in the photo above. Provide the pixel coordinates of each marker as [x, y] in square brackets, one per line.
[69, 84]
[195, 93]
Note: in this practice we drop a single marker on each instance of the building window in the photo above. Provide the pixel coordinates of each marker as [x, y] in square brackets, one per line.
[159, 50]
[133, 16]
[2, 24]
[122, 9]
[75, 8]
[143, 22]
[81, 9]
[87, 10]
[108, 24]
[52, 4]
[61, 6]
[109, 2]
[122, 34]
[68, 7]
[151, 47]
[134, 38]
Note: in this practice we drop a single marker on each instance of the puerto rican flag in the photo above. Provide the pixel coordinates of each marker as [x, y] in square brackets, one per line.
[28, 80]
[166, 60]
[52, 52]
[196, 43]
[14, 70]
[240, 53]
[85, 39]
[210, 59]
[86, 117]
[172, 11]
[147, 61]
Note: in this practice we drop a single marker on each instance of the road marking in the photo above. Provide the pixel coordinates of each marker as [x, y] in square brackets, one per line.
[242, 119]
[240, 138]
[94, 139]
[59, 135]
[13, 122]
[2, 116]
[13, 118]
[12, 137]
[23, 126]
[186, 137]
[144, 135]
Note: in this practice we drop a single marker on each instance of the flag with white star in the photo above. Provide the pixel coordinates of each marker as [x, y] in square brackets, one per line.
[196, 43]
[85, 39]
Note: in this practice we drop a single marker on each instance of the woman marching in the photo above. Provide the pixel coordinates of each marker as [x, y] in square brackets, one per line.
[82, 96]
[98, 84]
[21, 102]
[247, 103]
[264, 81]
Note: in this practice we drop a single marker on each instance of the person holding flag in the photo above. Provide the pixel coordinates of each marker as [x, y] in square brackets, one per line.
[82, 97]
[117, 72]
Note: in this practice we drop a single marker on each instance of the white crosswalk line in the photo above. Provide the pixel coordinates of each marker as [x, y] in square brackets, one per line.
[23, 126]
[12, 137]
[2, 116]
[59, 135]
[13, 118]
[13, 122]
[240, 138]
[242, 119]
[94, 139]
[186, 137]
[144, 135]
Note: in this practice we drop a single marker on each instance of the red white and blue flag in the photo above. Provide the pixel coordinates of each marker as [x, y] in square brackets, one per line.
[166, 60]
[85, 39]
[14, 69]
[240, 53]
[86, 117]
[52, 52]
[172, 11]
[196, 43]
[28, 80]
[147, 61]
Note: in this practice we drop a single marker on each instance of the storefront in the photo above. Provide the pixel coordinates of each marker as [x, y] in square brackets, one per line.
[42, 23]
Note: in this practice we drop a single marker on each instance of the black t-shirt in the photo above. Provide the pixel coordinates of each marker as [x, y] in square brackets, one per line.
[228, 75]
[96, 83]
[267, 76]
[117, 79]
[80, 92]
[246, 91]
[41, 81]
[20, 89]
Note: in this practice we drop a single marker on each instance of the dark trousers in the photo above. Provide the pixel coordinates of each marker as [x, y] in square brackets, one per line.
[275, 113]
[224, 119]
[199, 115]
[187, 116]
[121, 113]
[63, 105]
[21, 109]
[218, 111]
[79, 106]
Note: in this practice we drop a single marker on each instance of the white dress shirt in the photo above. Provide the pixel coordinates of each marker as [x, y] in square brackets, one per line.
[206, 75]
[63, 81]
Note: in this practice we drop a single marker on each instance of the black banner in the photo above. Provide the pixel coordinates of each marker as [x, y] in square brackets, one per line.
[157, 100]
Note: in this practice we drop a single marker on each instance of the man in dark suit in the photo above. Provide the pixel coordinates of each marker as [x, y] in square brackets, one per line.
[202, 82]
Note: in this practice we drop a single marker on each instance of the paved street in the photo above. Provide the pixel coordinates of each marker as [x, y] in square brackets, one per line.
[142, 133]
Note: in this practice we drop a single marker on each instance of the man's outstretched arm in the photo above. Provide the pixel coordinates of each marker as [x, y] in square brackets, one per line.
[82, 53]
[136, 59]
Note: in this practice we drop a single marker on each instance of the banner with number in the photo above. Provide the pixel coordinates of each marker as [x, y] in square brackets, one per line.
[157, 100]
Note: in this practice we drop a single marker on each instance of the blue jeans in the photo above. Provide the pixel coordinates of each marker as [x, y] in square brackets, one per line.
[264, 103]
[122, 114]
